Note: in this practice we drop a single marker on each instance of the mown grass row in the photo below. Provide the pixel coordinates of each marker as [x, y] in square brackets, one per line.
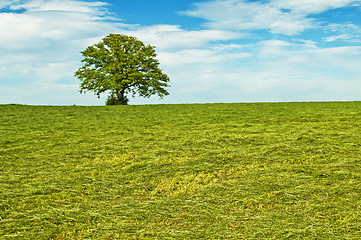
[215, 171]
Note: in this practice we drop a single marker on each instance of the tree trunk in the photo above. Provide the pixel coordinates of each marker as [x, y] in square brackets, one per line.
[122, 99]
[117, 97]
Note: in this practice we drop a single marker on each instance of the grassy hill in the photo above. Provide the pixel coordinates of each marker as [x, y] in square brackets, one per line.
[206, 171]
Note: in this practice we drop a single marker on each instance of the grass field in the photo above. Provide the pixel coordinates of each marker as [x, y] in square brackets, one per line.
[206, 171]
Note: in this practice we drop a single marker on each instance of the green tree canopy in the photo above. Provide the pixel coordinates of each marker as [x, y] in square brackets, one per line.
[121, 64]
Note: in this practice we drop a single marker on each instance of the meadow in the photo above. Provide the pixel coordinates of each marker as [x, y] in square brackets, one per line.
[193, 171]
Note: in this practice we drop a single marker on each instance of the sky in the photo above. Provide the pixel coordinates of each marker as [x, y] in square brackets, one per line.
[212, 50]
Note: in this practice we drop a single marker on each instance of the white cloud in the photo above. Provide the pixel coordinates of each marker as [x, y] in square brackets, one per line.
[288, 17]
[347, 32]
[313, 6]
[346, 27]
[245, 15]
[37, 27]
[200, 56]
[172, 37]
[268, 71]
[7, 3]
[93, 8]
[337, 37]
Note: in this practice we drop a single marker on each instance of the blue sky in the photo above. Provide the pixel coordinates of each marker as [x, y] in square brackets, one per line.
[212, 50]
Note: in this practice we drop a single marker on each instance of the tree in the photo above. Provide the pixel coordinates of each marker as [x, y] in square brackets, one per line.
[119, 65]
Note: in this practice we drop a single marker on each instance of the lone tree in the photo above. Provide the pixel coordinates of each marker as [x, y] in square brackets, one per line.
[121, 64]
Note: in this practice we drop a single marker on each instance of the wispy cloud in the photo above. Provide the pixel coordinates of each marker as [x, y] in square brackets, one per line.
[347, 32]
[92, 8]
[338, 37]
[173, 37]
[45, 22]
[245, 15]
[288, 17]
[307, 7]
[276, 70]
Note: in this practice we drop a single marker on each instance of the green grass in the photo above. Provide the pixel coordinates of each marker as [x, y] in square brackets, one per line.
[207, 171]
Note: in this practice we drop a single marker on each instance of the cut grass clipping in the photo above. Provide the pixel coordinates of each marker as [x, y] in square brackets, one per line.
[214, 171]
